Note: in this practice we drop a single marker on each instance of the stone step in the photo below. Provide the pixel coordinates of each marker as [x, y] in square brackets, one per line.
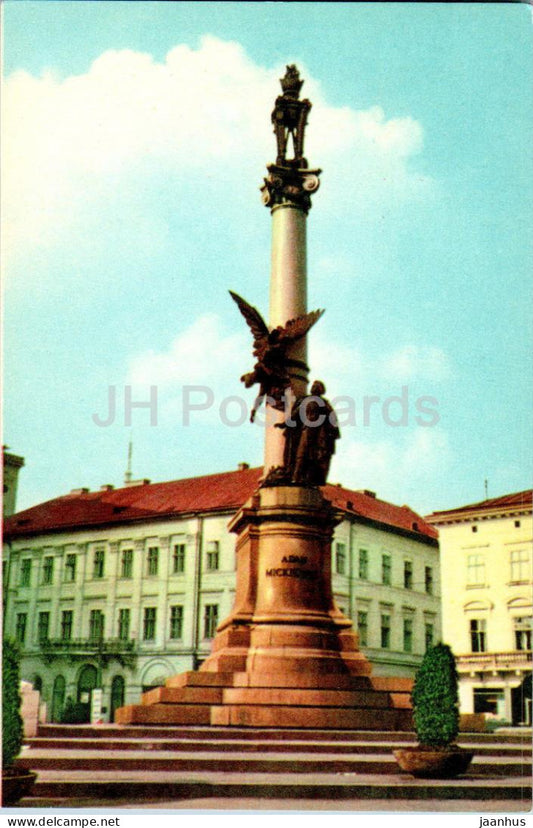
[140, 785]
[338, 681]
[258, 715]
[264, 745]
[308, 697]
[236, 761]
[516, 737]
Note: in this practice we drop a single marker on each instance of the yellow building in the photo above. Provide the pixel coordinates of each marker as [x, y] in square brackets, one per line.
[487, 602]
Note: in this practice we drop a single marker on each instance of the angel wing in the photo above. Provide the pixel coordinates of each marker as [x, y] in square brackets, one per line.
[294, 329]
[253, 318]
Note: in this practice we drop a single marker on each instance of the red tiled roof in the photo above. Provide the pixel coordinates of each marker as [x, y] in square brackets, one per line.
[224, 492]
[505, 502]
[379, 511]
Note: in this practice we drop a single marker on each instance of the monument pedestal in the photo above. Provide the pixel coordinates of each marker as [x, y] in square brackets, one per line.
[286, 656]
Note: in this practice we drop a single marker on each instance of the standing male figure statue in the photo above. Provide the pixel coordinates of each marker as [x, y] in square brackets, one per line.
[310, 433]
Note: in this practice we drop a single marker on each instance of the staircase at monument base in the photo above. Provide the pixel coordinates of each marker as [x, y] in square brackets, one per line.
[276, 700]
[82, 765]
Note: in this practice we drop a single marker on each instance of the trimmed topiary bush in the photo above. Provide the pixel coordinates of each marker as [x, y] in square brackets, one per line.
[12, 728]
[435, 698]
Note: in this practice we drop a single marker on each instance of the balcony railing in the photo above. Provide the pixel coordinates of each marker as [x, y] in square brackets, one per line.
[494, 661]
[88, 645]
[103, 651]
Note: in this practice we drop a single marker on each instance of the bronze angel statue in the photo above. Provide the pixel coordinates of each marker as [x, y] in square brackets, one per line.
[270, 371]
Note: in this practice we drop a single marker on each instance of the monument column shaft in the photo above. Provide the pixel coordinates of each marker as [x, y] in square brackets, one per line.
[288, 300]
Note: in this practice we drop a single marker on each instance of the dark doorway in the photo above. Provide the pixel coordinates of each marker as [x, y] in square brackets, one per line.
[521, 702]
[117, 695]
[86, 684]
[58, 699]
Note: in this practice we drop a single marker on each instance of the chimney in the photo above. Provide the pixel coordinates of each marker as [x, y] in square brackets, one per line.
[143, 482]
[79, 491]
[107, 487]
[243, 466]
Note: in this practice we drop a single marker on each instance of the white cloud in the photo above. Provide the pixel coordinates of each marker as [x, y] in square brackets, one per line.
[203, 352]
[71, 144]
[395, 467]
[415, 362]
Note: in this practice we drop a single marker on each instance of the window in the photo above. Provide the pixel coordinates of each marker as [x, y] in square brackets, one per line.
[66, 625]
[178, 558]
[212, 555]
[475, 570]
[124, 624]
[385, 631]
[43, 626]
[96, 625]
[98, 563]
[25, 572]
[363, 564]
[48, 569]
[153, 560]
[126, 563]
[478, 635]
[150, 614]
[520, 565]
[428, 635]
[210, 620]
[340, 558]
[20, 627]
[517, 524]
[385, 570]
[408, 635]
[176, 622]
[522, 633]
[428, 580]
[474, 528]
[70, 567]
[408, 574]
[362, 627]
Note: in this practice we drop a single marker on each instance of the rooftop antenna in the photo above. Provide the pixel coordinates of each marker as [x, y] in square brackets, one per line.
[486, 489]
[127, 476]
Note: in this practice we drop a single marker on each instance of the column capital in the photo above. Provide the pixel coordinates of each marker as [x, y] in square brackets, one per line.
[289, 186]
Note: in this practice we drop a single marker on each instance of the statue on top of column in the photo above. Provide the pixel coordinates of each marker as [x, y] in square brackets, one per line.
[270, 350]
[290, 118]
[289, 180]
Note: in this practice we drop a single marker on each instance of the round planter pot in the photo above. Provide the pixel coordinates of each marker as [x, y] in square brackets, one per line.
[16, 783]
[433, 763]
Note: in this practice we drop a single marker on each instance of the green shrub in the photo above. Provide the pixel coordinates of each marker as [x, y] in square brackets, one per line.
[435, 698]
[12, 729]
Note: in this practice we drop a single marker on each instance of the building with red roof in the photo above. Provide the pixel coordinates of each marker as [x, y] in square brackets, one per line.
[487, 602]
[121, 588]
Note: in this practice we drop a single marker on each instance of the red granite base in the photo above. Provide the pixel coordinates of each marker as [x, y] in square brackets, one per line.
[286, 656]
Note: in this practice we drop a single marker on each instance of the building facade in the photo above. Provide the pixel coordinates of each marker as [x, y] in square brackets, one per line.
[121, 588]
[487, 602]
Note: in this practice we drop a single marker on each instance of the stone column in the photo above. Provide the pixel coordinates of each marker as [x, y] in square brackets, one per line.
[287, 191]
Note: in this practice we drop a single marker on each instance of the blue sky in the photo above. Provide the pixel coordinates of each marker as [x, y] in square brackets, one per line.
[135, 140]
